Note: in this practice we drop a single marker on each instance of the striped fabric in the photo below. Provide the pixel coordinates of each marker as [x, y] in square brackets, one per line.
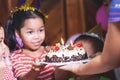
[8, 75]
[114, 11]
[22, 63]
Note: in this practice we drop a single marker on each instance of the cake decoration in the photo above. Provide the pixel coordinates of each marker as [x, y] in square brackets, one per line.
[66, 53]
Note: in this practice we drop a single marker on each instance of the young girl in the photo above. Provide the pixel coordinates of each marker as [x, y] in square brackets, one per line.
[5, 68]
[28, 23]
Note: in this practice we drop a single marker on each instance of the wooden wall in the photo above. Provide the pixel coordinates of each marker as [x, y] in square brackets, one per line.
[5, 8]
[69, 17]
[66, 17]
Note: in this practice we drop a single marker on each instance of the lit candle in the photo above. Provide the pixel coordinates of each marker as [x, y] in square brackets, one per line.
[62, 42]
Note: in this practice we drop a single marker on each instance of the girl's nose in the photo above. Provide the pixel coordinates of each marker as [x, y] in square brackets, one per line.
[37, 35]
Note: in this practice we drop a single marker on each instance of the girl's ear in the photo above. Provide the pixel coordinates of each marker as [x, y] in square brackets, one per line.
[19, 40]
[17, 34]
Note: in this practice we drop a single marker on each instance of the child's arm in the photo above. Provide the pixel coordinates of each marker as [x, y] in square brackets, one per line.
[33, 73]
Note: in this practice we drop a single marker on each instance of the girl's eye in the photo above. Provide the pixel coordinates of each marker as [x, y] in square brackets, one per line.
[29, 32]
[41, 30]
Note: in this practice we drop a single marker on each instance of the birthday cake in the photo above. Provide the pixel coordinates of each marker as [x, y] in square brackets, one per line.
[71, 53]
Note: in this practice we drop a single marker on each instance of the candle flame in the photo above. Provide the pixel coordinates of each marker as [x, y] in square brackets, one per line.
[62, 41]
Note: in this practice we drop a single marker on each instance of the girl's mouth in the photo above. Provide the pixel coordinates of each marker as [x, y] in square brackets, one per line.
[36, 43]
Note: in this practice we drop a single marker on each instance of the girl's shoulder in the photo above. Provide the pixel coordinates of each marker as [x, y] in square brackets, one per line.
[16, 52]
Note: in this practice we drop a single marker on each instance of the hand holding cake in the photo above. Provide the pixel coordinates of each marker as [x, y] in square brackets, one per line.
[37, 66]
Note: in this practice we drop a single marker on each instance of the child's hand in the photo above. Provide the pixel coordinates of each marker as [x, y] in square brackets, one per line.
[37, 66]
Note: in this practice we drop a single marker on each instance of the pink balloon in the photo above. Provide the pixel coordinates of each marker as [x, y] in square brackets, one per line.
[102, 18]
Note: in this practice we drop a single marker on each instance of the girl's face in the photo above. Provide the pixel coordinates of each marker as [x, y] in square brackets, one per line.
[33, 33]
[3, 47]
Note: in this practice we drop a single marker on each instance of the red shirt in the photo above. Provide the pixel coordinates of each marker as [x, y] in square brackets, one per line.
[22, 63]
[8, 75]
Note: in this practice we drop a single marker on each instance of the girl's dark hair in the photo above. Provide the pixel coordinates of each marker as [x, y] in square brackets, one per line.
[97, 42]
[16, 22]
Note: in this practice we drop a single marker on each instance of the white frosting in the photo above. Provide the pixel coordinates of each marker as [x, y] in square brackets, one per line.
[67, 52]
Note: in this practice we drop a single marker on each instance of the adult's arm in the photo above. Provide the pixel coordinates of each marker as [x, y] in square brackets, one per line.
[62, 74]
[109, 59]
